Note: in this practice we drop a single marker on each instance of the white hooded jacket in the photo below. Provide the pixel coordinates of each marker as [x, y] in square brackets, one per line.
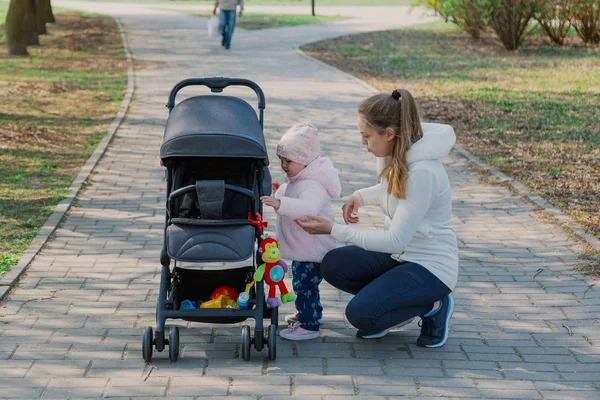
[418, 228]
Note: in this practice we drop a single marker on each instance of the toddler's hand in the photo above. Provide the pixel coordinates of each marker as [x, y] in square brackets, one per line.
[275, 185]
[271, 201]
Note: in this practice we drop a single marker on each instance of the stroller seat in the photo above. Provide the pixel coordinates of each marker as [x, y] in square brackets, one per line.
[206, 243]
[208, 209]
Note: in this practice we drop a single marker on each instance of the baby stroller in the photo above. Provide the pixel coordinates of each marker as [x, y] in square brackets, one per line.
[216, 159]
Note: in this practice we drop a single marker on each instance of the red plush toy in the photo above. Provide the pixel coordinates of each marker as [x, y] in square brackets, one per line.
[273, 271]
[226, 290]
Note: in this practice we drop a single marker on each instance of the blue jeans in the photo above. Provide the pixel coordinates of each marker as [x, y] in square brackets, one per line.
[306, 277]
[386, 291]
[227, 25]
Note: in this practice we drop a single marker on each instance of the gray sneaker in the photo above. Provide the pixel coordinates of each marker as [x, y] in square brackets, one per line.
[434, 324]
[364, 335]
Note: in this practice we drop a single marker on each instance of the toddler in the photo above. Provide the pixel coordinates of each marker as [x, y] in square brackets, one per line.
[313, 182]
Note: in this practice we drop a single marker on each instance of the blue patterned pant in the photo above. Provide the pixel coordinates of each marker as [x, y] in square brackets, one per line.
[306, 279]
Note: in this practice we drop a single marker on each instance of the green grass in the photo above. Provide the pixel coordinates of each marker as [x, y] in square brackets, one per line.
[255, 21]
[532, 114]
[3, 11]
[55, 106]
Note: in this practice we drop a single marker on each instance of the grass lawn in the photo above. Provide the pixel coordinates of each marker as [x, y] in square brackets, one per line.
[532, 114]
[55, 106]
[254, 21]
[3, 11]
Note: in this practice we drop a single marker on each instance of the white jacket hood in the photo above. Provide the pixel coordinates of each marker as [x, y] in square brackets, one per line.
[436, 143]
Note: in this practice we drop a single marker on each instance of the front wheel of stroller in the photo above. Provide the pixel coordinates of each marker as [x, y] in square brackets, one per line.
[275, 316]
[147, 343]
[174, 343]
[245, 342]
[272, 342]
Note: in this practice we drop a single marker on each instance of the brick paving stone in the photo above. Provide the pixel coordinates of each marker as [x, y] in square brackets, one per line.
[510, 394]
[376, 390]
[450, 392]
[73, 325]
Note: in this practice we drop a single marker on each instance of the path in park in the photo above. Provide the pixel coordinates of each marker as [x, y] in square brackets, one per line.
[73, 326]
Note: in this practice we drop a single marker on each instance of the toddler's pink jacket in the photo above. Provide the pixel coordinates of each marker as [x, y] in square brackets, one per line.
[308, 193]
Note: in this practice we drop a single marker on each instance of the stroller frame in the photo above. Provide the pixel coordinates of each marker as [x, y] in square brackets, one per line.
[168, 304]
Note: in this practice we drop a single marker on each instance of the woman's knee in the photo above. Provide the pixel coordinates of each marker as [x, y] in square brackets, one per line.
[359, 314]
[334, 261]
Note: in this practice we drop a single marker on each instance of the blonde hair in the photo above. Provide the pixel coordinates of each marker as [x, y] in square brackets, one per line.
[383, 111]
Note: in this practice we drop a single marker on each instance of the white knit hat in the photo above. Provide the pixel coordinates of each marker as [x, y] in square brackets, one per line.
[300, 144]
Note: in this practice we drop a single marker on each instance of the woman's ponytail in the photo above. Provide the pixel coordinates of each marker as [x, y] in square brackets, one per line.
[398, 111]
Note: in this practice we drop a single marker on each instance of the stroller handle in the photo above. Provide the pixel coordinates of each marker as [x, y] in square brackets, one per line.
[217, 85]
[192, 188]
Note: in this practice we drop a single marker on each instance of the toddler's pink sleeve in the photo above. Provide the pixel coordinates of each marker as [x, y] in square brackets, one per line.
[280, 192]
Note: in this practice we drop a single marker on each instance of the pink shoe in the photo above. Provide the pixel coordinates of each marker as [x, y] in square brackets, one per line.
[297, 332]
[293, 318]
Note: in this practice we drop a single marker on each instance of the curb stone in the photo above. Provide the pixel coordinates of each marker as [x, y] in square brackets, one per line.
[60, 210]
[563, 220]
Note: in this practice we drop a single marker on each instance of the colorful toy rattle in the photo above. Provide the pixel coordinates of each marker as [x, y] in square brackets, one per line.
[273, 271]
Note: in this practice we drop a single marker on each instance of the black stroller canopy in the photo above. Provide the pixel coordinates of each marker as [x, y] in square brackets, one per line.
[213, 126]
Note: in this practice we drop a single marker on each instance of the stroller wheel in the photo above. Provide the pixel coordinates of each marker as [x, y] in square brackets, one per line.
[174, 343]
[245, 342]
[272, 342]
[147, 343]
[275, 316]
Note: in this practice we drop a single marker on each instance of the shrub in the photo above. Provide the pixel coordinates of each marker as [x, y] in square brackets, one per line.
[468, 14]
[586, 20]
[510, 19]
[554, 16]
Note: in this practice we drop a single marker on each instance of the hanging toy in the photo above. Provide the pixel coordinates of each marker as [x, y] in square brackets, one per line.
[273, 271]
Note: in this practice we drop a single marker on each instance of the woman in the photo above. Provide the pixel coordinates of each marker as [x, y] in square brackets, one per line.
[410, 268]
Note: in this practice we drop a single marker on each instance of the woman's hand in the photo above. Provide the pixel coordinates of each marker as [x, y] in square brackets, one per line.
[350, 209]
[271, 201]
[316, 225]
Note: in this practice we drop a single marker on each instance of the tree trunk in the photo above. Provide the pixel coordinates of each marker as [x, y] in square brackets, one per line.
[15, 34]
[29, 23]
[40, 17]
[49, 13]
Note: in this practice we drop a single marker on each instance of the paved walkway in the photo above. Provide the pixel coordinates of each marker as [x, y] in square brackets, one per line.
[72, 329]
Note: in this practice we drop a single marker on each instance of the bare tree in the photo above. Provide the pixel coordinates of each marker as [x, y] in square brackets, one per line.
[40, 16]
[25, 20]
[49, 14]
[29, 23]
[16, 36]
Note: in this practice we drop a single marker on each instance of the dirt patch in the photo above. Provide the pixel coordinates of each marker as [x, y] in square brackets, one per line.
[77, 33]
